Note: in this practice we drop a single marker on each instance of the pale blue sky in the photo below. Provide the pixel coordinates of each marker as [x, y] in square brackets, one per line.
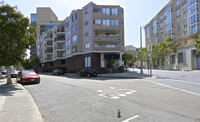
[137, 12]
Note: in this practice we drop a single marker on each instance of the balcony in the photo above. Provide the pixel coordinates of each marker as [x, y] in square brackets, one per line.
[60, 56]
[60, 31]
[49, 45]
[103, 38]
[60, 47]
[49, 58]
[49, 51]
[48, 37]
[60, 39]
[107, 48]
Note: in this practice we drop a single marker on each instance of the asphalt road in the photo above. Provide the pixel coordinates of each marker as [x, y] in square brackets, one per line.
[65, 99]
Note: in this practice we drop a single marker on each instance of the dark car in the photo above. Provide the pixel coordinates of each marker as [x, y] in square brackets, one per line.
[58, 72]
[27, 76]
[87, 73]
[13, 74]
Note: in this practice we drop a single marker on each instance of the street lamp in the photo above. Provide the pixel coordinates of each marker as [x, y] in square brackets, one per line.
[141, 64]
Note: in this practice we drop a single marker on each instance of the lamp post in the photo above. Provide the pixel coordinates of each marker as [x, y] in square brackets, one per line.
[141, 63]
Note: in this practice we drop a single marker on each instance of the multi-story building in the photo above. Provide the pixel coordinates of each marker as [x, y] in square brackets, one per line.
[43, 20]
[180, 20]
[91, 37]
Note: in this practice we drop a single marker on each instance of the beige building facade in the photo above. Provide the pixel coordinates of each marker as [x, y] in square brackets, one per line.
[91, 37]
[180, 20]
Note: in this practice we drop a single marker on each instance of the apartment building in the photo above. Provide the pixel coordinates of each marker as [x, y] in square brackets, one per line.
[91, 37]
[43, 20]
[180, 20]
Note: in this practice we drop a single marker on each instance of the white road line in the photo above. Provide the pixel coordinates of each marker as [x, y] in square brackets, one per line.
[127, 120]
[174, 88]
[186, 82]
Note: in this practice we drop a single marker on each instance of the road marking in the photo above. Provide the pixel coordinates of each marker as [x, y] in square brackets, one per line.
[114, 93]
[174, 88]
[127, 120]
[186, 82]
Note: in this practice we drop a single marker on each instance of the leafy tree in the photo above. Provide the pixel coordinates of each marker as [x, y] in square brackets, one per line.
[127, 58]
[162, 50]
[144, 55]
[16, 36]
[197, 44]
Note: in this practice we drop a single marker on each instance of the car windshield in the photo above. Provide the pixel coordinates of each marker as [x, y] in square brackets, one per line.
[28, 73]
[13, 71]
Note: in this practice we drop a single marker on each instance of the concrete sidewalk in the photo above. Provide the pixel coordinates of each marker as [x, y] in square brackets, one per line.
[16, 104]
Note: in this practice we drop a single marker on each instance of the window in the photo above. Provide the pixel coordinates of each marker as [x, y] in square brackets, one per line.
[161, 31]
[173, 59]
[68, 52]
[191, 2]
[114, 23]
[184, 7]
[86, 34]
[178, 36]
[62, 61]
[168, 10]
[88, 61]
[106, 11]
[192, 10]
[192, 19]
[114, 11]
[192, 29]
[87, 45]
[96, 10]
[86, 23]
[178, 12]
[180, 57]
[86, 10]
[74, 28]
[106, 23]
[74, 17]
[74, 49]
[185, 25]
[110, 46]
[67, 34]
[97, 21]
[178, 20]
[161, 25]
[177, 3]
[161, 18]
[184, 16]
[185, 33]
[74, 38]
[178, 28]
[67, 43]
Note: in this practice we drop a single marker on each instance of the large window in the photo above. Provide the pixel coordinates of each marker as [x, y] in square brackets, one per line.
[178, 12]
[74, 28]
[185, 25]
[184, 7]
[114, 11]
[86, 10]
[67, 23]
[88, 61]
[184, 16]
[191, 2]
[96, 10]
[114, 23]
[87, 45]
[74, 17]
[97, 21]
[185, 33]
[106, 22]
[74, 49]
[178, 20]
[192, 10]
[192, 19]
[74, 38]
[178, 28]
[192, 29]
[106, 11]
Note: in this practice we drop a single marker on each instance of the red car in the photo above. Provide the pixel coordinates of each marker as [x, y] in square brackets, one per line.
[28, 77]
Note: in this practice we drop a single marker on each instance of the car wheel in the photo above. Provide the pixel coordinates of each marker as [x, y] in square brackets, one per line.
[88, 75]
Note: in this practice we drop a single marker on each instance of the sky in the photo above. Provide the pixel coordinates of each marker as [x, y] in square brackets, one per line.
[136, 12]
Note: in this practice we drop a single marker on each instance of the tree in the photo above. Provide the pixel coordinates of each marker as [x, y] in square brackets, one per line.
[127, 58]
[162, 50]
[144, 55]
[197, 44]
[16, 36]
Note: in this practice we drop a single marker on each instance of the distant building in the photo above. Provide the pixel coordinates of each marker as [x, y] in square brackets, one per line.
[180, 20]
[91, 37]
[43, 21]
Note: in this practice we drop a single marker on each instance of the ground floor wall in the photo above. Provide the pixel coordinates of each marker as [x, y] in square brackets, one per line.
[79, 62]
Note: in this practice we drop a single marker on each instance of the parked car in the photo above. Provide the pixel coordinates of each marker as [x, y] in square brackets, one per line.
[13, 74]
[4, 72]
[87, 73]
[58, 72]
[27, 76]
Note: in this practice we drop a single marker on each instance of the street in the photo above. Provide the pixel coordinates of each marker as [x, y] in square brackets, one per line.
[80, 99]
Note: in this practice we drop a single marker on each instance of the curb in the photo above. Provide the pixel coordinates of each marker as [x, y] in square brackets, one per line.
[38, 114]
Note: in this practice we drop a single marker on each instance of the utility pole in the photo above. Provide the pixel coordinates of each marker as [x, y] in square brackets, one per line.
[141, 63]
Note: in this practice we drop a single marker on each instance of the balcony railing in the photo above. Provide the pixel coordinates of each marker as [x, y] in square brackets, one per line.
[107, 48]
[63, 55]
[49, 58]
[48, 51]
[59, 47]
